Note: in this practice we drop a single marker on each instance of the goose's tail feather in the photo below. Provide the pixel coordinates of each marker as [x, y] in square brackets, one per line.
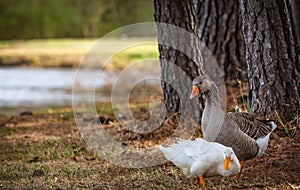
[263, 142]
[173, 150]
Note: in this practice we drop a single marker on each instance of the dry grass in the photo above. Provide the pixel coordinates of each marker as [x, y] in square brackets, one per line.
[69, 52]
[45, 151]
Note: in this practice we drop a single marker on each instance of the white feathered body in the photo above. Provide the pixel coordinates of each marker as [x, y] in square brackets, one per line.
[200, 158]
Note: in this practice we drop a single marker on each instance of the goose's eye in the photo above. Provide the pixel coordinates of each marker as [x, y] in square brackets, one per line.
[231, 153]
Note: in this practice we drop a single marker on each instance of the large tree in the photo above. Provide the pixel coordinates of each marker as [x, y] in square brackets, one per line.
[220, 30]
[272, 56]
[177, 48]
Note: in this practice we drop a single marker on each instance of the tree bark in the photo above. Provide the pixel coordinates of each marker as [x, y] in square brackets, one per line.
[296, 5]
[272, 56]
[220, 30]
[179, 49]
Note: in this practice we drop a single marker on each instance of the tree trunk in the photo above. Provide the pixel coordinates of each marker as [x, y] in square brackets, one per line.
[179, 49]
[220, 30]
[272, 56]
[296, 5]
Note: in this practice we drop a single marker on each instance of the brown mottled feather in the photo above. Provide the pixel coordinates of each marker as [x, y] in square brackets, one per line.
[250, 124]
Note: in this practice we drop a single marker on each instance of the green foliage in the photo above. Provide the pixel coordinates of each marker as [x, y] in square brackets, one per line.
[69, 18]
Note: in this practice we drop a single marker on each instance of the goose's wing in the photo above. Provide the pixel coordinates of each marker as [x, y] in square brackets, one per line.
[192, 153]
[202, 149]
[251, 125]
[193, 150]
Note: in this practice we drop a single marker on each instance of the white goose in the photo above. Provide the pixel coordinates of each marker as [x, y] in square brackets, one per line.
[244, 132]
[201, 158]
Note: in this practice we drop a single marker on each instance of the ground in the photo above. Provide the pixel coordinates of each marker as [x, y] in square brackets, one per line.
[70, 52]
[45, 151]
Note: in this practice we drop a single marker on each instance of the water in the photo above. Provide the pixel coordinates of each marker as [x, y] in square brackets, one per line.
[31, 87]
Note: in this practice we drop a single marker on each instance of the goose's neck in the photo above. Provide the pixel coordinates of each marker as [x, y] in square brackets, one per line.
[212, 97]
[212, 107]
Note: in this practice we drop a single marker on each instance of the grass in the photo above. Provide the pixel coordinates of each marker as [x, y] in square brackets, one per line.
[248, 105]
[286, 128]
[46, 151]
[69, 52]
[42, 155]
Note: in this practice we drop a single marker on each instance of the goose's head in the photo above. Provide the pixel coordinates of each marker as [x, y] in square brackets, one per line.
[228, 158]
[200, 85]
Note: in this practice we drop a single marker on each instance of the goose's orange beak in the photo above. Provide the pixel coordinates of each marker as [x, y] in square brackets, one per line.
[227, 163]
[195, 91]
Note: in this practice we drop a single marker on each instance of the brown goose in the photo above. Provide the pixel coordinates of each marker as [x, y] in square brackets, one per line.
[244, 132]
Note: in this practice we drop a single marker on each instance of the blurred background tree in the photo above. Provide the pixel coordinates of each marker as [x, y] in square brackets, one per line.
[69, 18]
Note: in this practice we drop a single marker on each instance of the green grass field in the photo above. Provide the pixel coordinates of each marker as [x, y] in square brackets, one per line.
[69, 52]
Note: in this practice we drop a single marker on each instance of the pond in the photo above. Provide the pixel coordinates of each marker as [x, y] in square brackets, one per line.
[28, 88]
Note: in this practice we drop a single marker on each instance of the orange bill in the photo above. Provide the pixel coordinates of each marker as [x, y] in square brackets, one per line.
[227, 163]
[195, 92]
